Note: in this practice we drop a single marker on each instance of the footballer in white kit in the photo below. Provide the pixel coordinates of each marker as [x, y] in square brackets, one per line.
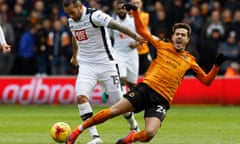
[125, 47]
[93, 53]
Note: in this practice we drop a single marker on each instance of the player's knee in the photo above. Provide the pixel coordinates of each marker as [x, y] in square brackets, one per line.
[82, 99]
[123, 81]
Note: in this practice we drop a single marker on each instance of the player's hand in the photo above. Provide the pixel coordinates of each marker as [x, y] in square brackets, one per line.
[74, 61]
[6, 48]
[220, 59]
[133, 45]
[140, 39]
[129, 7]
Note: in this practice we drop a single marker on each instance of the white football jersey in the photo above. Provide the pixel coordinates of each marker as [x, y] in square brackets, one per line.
[92, 37]
[121, 40]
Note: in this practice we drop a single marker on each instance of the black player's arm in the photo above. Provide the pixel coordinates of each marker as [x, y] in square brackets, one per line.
[115, 25]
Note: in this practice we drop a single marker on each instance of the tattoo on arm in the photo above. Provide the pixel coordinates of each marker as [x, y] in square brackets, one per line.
[115, 25]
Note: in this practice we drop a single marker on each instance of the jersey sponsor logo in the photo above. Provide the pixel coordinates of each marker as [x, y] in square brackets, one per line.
[80, 35]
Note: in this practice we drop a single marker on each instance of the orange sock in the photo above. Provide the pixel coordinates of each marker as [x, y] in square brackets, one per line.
[141, 136]
[99, 117]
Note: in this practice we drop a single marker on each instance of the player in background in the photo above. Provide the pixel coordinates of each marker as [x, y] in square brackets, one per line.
[4, 47]
[125, 47]
[155, 93]
[143, 49]
[93, 53]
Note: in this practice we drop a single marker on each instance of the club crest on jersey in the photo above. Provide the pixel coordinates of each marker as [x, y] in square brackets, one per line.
[80, 35]
[185, 58]
[132, 94]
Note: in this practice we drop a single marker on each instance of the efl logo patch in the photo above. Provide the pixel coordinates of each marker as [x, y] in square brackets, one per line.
[80, 35]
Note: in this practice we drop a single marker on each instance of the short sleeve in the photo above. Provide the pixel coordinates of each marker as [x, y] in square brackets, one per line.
[100, 18]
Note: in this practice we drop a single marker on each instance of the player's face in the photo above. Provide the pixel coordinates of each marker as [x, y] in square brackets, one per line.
[121, 12]
[74, 11]
[180, 39]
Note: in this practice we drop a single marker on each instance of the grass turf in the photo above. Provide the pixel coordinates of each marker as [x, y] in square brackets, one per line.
[183, 125]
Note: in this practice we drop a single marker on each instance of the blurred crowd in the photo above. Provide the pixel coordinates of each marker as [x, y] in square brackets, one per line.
[41, 40]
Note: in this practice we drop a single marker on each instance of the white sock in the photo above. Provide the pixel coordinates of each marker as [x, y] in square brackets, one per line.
[85, 110]
[129, 116]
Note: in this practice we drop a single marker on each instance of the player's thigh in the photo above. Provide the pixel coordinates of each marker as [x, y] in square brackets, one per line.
[86, 80]
[110, 80]
[132, 68]
[152, 124]
[122, 66]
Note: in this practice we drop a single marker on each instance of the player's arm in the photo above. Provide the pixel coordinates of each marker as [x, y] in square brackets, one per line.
[100, 18]
[142, 30]
[4, 47]
[207, 79]
[115, 25]
[75, 50]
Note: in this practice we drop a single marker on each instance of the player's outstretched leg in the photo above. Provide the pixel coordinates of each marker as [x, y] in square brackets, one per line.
[99, 117]
[73, 136]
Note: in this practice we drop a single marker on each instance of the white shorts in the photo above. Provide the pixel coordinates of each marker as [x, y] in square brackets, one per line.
[106, 74]
[128, 65]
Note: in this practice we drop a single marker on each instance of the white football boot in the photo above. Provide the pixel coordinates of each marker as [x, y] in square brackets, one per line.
[96, 140]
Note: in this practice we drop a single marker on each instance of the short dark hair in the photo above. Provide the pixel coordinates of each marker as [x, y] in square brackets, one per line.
[182, 25]
[121, 1]
[66, 3]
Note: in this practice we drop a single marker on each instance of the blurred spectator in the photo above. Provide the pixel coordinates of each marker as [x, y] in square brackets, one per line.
[227, 18]
[214, 22]
[158, 21]
[209, 48]
[216, 5]
[38, 7]
[4, 11]
[58, 42]
[54, 13]
[232, 4]
[205, 10]
[25, 60]
[114, 7]
[233, 70]
[18, 21]
[42, 49]
[175, 11]
[94, 4]
[236, 25]
[231, 50]
[195, 20]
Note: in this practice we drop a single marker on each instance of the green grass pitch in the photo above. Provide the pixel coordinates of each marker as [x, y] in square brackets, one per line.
[183, 125]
